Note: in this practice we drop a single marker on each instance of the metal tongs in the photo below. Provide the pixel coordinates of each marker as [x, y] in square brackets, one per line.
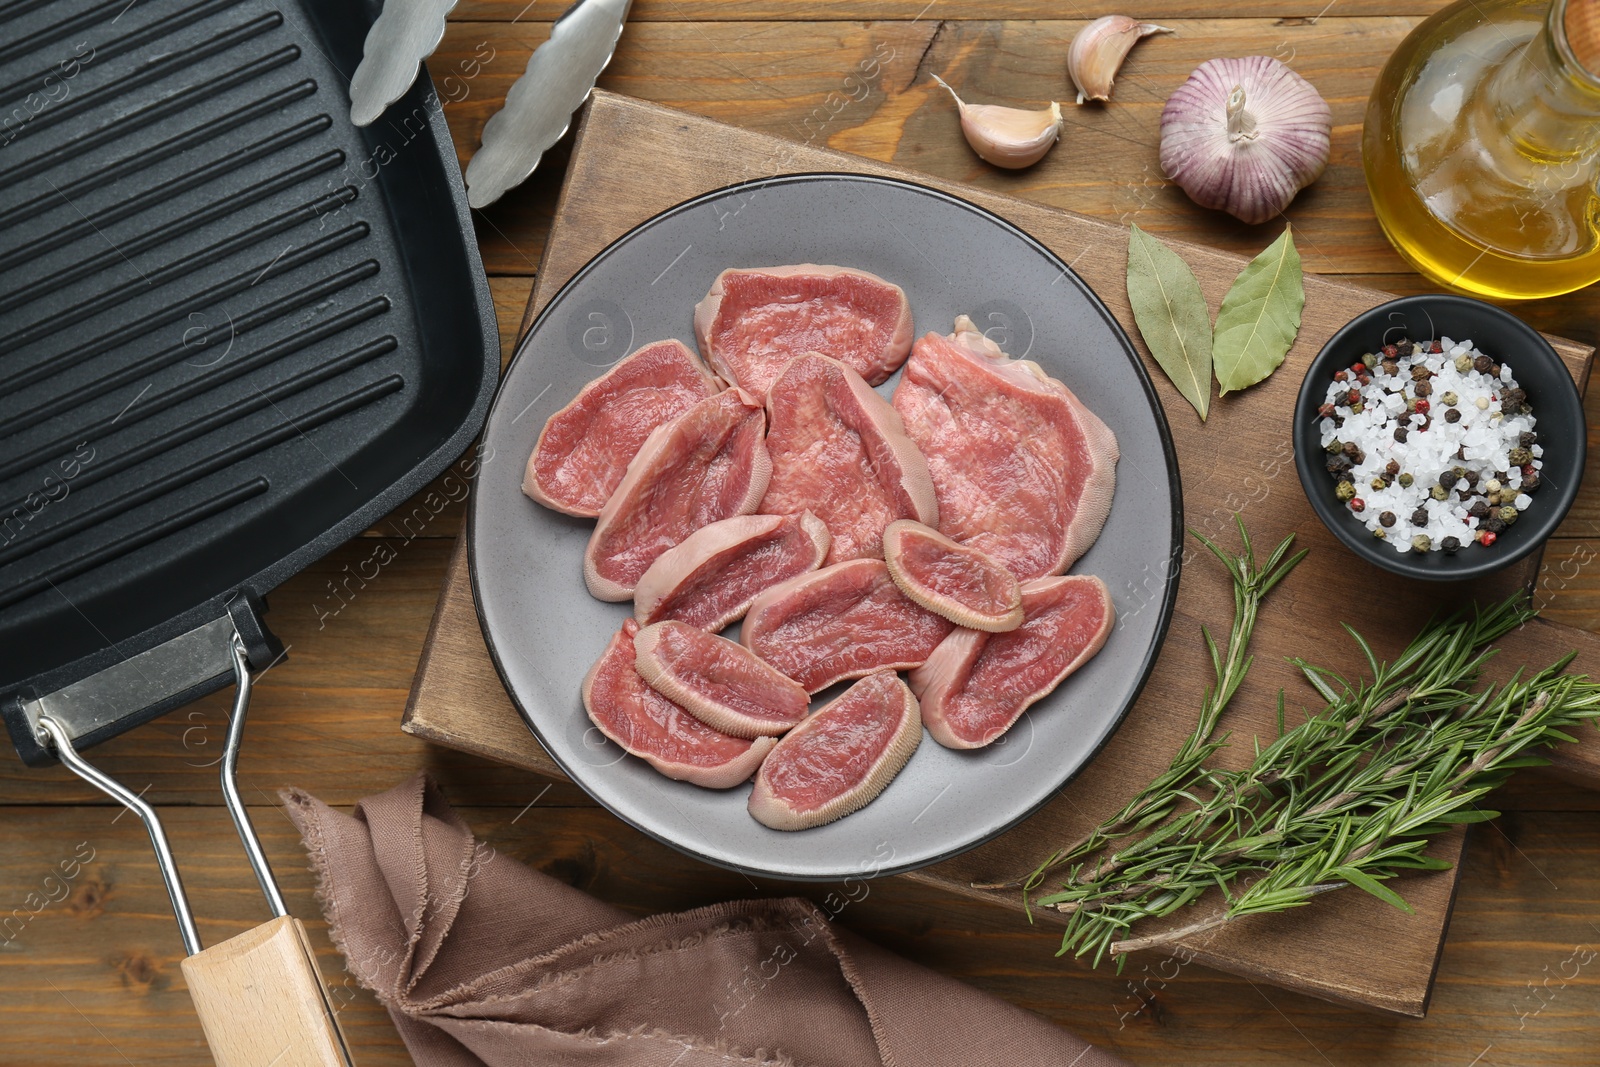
[259, 995]
[538, 108]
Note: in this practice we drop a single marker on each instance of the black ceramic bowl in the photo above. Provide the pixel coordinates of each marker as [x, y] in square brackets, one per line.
[1557, 409]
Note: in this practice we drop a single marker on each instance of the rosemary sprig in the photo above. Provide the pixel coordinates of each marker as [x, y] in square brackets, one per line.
[1251, 584]
[1351, 796]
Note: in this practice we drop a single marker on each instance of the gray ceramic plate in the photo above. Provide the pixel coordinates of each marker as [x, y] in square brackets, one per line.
[544, 630]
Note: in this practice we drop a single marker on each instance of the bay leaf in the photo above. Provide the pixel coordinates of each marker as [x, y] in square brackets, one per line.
[1260, 316]
[1172, 316]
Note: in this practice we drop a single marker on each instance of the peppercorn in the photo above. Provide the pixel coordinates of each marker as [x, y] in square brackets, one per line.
[1421, 373]
[1421, 542]
[1326, 411]
[1354, 451]
[1527, 438]
[1401, 348]
[1521, 456]
[1494, 524]
[1492, 485]
[1517, 395]
[1439, 492]
[1338, 464]
[1411, 407]
[1494, 370]
[1423, 389]
[1471, 477]
[1387, 518]
[1390, 367]
[1334, 446]
[1341, 375]
[1450, 544]
[1435, 347]
[1463, 364]
[1419, 517]
[1392, 467]
[1449, 478]
[1451, 415]
[1379, 534]
[1358, 407]
[1493, 499]
[1379, 483]
[1530, 482]
[1422, 407]
[1508, 514]
[1354, 396]
[1401, 433]
[1486, 538]
[1390, 351]
[1478, 510]
[1422, 427]
[1406, 480]
[1450, 398]
[1346, 491]
[1358, 504]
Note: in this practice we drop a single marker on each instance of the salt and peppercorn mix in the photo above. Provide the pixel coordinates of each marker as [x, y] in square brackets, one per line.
[1432, 445]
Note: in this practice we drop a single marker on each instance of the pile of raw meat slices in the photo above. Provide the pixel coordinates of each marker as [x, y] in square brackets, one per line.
[855, 537]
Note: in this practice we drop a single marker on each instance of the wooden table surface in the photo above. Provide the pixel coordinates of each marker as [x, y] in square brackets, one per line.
[89, 963]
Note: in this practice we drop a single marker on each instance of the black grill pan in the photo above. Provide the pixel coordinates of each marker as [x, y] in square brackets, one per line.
[234, 331]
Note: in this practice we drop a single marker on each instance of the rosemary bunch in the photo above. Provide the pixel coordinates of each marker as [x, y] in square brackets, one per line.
[1351, 796]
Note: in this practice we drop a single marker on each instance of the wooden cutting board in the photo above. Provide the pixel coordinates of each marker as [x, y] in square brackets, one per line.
[632, 159]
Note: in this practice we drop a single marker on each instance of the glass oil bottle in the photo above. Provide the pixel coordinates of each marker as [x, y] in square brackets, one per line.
[1482, 147]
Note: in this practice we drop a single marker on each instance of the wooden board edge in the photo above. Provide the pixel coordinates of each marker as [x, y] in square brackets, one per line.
[531, 312]
[1412, 1004]
[418, 717]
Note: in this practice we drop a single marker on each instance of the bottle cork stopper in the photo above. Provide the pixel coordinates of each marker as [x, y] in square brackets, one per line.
[1583, 33]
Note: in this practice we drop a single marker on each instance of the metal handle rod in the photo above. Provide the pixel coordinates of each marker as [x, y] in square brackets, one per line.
[230, 784]
[57, 738]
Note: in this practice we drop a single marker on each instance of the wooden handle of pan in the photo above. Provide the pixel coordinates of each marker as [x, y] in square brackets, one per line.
[261, 1000]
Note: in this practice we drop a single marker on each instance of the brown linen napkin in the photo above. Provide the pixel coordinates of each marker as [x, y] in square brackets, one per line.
[484, 961]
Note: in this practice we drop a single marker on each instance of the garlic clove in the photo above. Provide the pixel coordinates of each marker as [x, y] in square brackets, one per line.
[1098, 50]
[1007, 136]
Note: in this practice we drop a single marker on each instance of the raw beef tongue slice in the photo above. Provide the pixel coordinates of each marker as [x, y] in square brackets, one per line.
[964, 585]
[752, 322]
[723, 684]
[975, 685]
[1023, 470]
[843, 621]
[839, 449]
[650, 726]
[841, 758]
[710, 578]
[709, 463]
[585, 447]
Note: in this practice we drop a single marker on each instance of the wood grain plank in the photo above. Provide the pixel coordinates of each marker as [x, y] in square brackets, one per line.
[873, 96]
[914, 10]
[93, 976]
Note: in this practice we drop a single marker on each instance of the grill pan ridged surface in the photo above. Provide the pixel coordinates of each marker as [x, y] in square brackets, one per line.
[214, 362]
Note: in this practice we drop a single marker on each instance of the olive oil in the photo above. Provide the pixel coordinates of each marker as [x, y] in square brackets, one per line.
[1482, 148]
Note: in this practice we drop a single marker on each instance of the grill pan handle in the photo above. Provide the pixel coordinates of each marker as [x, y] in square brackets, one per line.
[139, 688]
[259, 995]
[261, 1000]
